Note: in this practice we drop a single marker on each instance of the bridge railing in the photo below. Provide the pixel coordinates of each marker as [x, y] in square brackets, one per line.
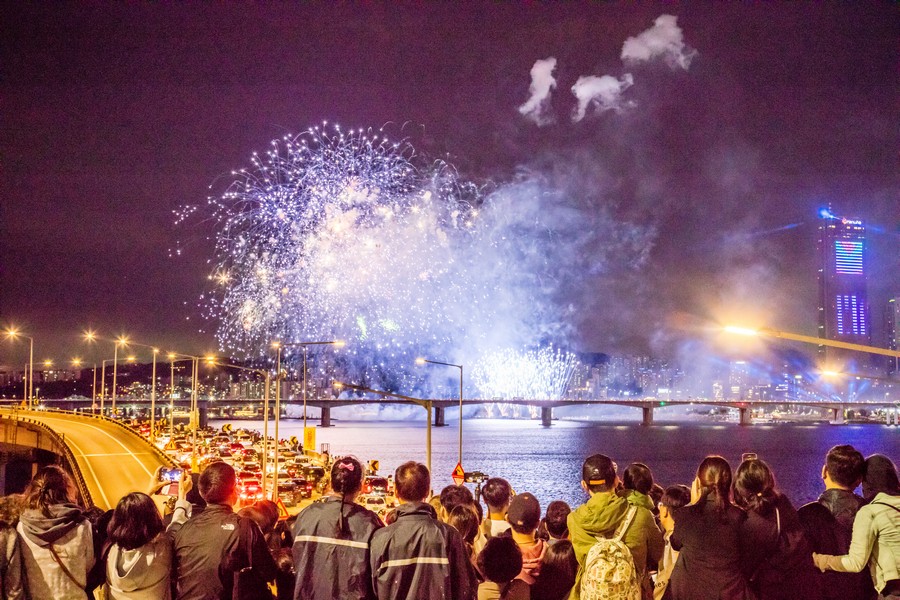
[67, 454]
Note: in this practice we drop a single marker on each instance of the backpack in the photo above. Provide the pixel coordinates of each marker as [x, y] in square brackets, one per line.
[609, 572]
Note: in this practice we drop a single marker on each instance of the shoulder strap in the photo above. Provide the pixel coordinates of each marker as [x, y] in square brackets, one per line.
[626, 523]
[63, 567]
[778, 521]
[888, 505]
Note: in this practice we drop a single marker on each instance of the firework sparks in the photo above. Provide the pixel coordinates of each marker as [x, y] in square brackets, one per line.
[348, 235]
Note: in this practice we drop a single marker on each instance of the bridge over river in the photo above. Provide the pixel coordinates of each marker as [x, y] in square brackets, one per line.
[227, 408]
[108, 459]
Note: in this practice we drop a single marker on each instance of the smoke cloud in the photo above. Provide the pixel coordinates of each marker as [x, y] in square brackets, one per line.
[664, 40]
[604, 93]
[536, 108]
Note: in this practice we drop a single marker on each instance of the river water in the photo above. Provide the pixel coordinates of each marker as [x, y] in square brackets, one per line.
[547, 461]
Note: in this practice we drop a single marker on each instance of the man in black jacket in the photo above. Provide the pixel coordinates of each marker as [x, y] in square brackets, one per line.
[211, 547]
[418, 556]
[829, 522]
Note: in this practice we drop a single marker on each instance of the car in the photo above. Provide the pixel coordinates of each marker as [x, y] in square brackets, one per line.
[289, 493]
[373, 503]
[375, 485]
[314, 473]
[250, 491]
[305, 487]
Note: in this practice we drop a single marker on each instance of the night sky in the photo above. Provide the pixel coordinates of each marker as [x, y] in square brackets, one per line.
[116, 115]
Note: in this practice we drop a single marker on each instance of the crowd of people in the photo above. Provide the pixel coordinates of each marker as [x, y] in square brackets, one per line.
[728, 535]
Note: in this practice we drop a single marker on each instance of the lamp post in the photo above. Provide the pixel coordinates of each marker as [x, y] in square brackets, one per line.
[277, 346]
[211, 360]
[90, 336]
[119, 342]
[28, 383]
[422, 361]
[305, 346]
[426, 404]
[153, 399]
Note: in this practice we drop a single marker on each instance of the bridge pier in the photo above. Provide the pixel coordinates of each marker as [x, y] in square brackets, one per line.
[439, 420]
[837, 416]
[647, 416]
[546, 416]
[326, 417]
[746, 416]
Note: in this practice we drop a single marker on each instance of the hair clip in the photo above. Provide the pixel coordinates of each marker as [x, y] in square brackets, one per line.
[346, 466]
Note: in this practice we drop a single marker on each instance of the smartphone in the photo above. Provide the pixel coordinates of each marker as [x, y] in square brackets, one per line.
[170, 474]
[749, 456]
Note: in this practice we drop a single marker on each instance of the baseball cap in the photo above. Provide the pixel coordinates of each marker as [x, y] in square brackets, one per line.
[524, 511]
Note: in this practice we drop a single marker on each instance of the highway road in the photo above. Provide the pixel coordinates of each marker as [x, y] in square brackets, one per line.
[113, 460]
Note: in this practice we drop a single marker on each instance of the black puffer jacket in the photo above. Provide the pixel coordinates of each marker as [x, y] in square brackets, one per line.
[331, 551]
[418, 557]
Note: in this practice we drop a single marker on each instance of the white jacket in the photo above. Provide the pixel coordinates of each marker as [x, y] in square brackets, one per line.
[142, 573]
[44, 577]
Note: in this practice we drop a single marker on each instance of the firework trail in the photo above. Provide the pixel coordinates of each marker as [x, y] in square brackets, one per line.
[347, 235]
[533, 375]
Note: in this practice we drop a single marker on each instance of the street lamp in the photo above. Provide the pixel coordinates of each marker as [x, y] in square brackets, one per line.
[153, 399]
[423, 361]
[278, 378]
[28, 384]
[122, 341]
[305, 346]
[426, 404]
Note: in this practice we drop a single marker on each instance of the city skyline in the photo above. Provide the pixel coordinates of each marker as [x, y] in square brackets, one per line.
[718, 169]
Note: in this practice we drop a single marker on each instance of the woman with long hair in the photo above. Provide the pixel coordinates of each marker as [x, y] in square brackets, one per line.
[56, 539]
[558, 570]
[331, 540]
[139, 562]
[779, 560]
[707, 536]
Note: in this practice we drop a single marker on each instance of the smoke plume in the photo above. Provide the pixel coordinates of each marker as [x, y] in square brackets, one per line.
[665, 39]
[604, 93]
[542, 82]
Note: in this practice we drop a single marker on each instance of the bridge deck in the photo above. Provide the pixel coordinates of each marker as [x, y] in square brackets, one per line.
[113, 460]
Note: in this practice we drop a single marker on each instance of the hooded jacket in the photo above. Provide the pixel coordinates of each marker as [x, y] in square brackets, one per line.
[331, 551]
[600, 516]
[532, 557]
[142, 573]
[636, 498]
[419, 557]
[70, 536]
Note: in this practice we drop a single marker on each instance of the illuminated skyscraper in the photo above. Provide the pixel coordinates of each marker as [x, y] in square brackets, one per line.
[843, 301]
